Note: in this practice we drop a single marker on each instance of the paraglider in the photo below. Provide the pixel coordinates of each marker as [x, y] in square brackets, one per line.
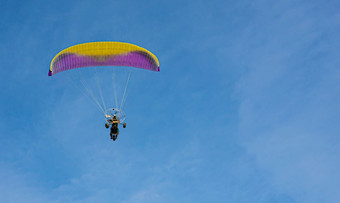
[112, 55]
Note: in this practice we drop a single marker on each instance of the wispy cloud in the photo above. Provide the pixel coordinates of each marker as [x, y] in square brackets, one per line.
[289, 101]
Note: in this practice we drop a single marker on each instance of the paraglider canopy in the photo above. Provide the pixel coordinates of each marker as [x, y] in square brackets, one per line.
[103, 54]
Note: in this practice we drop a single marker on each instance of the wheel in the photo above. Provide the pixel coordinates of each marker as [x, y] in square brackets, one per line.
[124, 125]
[107, 125]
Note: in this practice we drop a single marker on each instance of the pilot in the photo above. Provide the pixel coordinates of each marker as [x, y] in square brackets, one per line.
[114, 128]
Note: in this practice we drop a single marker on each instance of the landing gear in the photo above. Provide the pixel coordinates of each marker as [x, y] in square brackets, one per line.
[124, 125]
[113, 137]
[107, 125]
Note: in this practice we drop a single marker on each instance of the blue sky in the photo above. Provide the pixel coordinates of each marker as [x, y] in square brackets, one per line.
[244, 109]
